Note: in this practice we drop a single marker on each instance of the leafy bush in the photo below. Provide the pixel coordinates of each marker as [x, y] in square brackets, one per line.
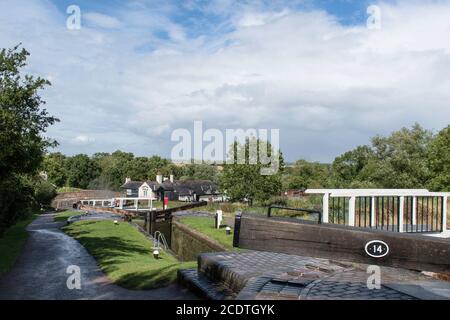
[44, 193]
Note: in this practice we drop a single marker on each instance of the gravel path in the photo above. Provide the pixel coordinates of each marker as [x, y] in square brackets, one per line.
[40, 271]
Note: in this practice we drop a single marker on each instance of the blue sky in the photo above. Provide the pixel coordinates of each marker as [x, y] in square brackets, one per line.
[137, 70]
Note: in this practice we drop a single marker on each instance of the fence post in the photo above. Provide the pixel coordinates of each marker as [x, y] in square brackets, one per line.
[351, 211]
[414, 212]
[401, 210]
[372, 212]
[325, 207]
[120, 203]
[444, 213]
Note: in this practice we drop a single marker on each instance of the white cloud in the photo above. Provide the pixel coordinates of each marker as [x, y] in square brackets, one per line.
[82, 140]
[328, 87]
[101, 20]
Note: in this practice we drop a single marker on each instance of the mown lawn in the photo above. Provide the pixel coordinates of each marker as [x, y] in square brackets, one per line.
[12, 242]
[125, 255]
[205, 225]
[63, 216]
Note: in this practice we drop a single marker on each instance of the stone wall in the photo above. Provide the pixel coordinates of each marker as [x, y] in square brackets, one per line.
[187, 243]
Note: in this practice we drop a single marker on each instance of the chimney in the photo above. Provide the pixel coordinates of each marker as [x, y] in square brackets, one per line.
[127, 180]
[171, 178]
[159, 178]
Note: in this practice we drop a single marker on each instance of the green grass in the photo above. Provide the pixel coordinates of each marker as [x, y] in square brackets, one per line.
[12, 242]
[205, 225]
[125, 255]
[63, 216]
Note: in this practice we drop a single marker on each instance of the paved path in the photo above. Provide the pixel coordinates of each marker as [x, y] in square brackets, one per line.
[40, 271]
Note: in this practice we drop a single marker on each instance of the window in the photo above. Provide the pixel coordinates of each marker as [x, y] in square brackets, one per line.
[144, 191]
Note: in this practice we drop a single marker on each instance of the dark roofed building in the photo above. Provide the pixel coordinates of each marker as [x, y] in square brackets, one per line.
[182, 190]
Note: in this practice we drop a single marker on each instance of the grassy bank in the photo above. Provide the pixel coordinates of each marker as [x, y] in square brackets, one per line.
[205, 225]
[12, 242]
[125, 255]
[63, 216]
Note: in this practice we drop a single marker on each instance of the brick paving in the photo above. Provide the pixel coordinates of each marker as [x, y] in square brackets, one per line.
[267, 275]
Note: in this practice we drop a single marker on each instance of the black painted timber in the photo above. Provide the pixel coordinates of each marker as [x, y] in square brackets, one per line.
[331, 241]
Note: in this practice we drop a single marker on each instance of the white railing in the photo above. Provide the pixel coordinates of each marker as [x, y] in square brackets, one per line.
[120, 203]
[406, 203]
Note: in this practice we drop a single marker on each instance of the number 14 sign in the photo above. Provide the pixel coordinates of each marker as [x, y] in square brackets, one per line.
[377, 248]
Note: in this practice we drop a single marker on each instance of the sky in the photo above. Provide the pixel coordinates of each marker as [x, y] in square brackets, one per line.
[137, 70]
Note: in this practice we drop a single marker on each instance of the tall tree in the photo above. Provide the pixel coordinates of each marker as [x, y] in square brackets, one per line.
[245, 181]
[54, 166]
[396, 161]
[81, 170]
[439, 161]
[23, 121]
[304, 175]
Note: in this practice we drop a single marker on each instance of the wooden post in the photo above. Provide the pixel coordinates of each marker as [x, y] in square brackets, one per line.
[148, 222]
[120, 203]
[136, 202]
[351, 211]
[325, 207]
[414, 211]
[401, 210]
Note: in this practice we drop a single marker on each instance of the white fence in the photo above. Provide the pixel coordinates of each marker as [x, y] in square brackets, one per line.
[401, 210]
[122, 203]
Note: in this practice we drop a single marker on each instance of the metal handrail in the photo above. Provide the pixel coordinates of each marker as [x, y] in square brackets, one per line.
[157, 237]
[319, 213]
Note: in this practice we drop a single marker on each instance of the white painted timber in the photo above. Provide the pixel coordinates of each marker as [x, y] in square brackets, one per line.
[401, 213]
[351, 211]
[326, 208]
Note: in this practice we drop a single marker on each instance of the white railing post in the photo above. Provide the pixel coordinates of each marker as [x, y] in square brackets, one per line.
[136, 202]
[414, 211]
[444, 214]
[351, 211]
[372, 212]
[325, 207]
[401, 211]
[120, 203]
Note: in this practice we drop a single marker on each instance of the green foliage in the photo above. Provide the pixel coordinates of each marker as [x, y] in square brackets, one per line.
[245, 181]
[81, 170]
[439, 161]
[54, 165]
[22, 124]
[304, 175]
[200, 172]
[396, 161]
[44, 192]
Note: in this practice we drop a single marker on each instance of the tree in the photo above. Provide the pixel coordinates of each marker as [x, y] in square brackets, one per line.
[54, 166]
[245, 181]
[396, 161]
[439, 161]
[200, 172]
[304, 175]
[23, 122]
[44, 192]
[81, 170]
